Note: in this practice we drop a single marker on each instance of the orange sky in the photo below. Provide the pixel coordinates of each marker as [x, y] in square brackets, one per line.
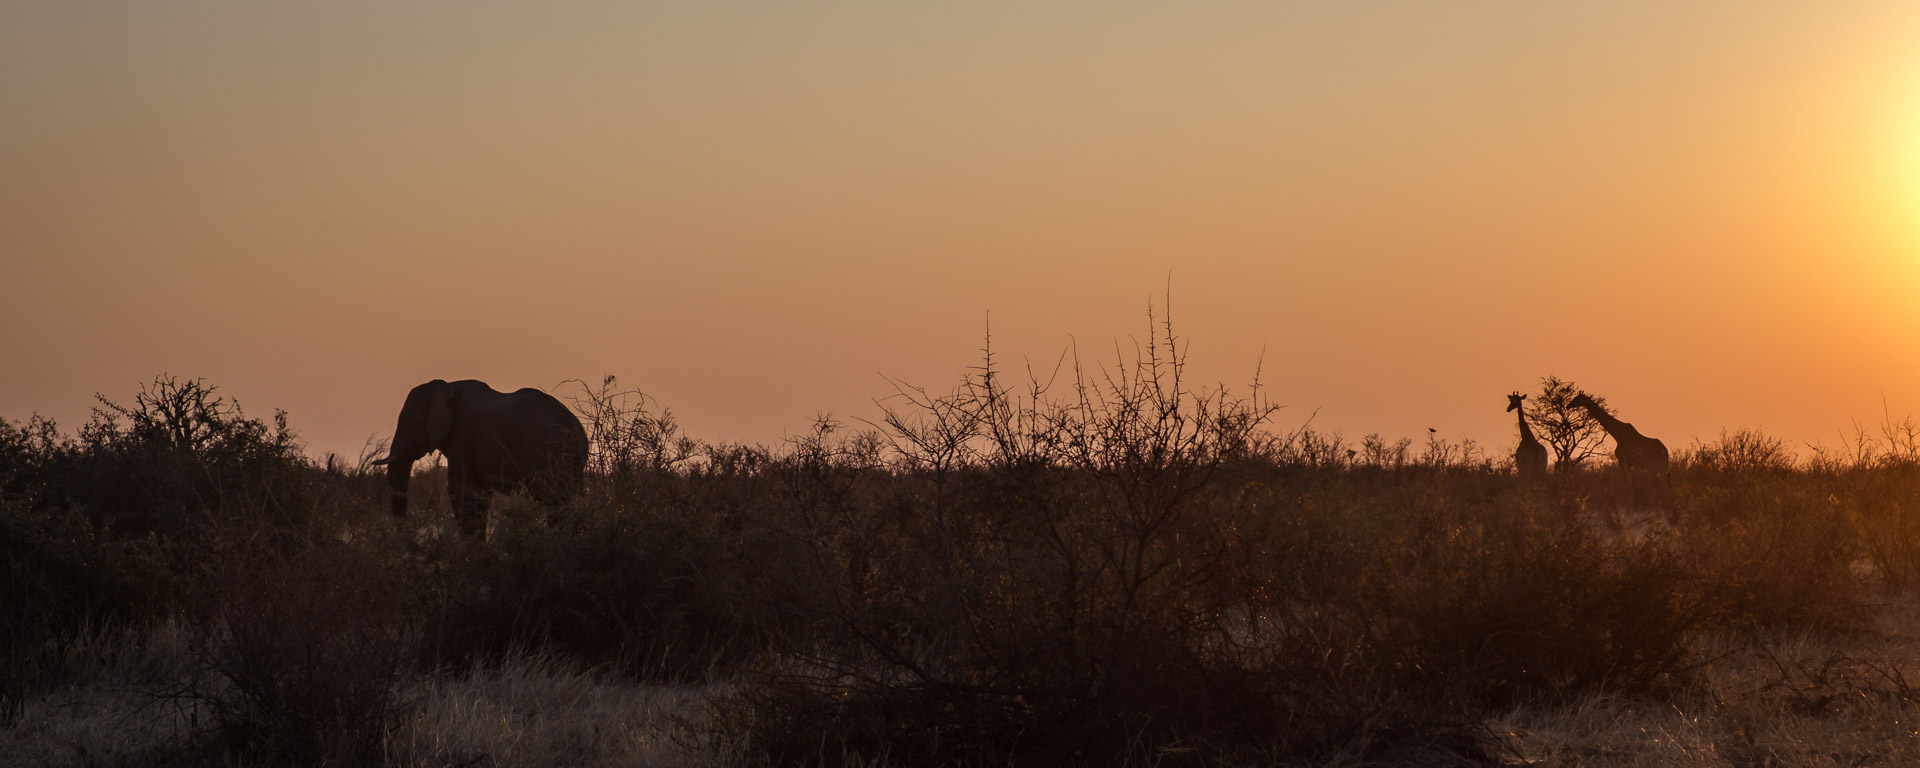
[1704, 211]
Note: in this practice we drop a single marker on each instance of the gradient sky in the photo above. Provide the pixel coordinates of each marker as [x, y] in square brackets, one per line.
[1708, 212]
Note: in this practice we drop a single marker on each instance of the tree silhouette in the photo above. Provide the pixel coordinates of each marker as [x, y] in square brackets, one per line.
[1570, 432]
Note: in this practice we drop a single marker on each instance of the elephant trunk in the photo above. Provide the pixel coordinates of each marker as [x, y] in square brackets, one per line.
[398, 474]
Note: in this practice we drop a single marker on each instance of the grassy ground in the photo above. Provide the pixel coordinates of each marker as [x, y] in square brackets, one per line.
[1791, 701]
[1794, 701]
[126, 706]
[1134, 575]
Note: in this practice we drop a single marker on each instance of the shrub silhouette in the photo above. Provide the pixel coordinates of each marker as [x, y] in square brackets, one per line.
[1059, 580]
[1743, 451]
[305, 649]
[103, 530]
[669, 568]
[179, 459]
[1104, 564]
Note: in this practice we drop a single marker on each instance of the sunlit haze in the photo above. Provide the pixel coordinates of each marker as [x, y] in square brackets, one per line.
[1708, 212]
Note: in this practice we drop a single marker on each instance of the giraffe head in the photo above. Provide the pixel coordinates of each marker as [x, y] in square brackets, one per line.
[1513, 401]
[1583, 400]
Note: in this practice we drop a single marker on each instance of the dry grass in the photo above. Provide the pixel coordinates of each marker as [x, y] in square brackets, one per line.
[1789, 699]
[529, 712]
[535, 712]
[108, 713]
[1795, 701]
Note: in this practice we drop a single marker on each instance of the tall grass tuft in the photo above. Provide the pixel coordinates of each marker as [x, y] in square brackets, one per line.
[304, 651]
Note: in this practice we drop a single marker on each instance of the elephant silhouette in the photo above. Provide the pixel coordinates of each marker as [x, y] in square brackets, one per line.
[493, 441]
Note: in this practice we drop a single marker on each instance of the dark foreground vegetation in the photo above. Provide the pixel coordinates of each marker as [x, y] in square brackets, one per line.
[1112, 569]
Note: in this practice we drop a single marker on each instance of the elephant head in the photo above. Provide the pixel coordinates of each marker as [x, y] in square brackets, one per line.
[425, 421]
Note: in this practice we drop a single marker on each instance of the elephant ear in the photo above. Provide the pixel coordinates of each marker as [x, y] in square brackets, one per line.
[439, 416]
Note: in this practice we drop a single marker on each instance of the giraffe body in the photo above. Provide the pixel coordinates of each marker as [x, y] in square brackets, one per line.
[1643, 459]
[1530, 457]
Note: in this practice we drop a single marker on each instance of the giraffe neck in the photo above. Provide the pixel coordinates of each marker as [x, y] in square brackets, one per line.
[1614, 427]
[1526, 432]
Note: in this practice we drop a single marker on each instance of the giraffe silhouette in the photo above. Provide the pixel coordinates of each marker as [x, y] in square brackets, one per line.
[1530, 458]
[1643, 459]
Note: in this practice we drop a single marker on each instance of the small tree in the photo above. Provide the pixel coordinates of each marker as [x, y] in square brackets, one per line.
[1569, 431]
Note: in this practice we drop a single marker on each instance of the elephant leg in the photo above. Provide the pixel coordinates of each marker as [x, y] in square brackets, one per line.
[550, 494]
[469, 506]
[472, 516]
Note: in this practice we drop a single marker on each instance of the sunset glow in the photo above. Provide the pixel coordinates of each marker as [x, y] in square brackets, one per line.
[1400, 212]
[1232, 383]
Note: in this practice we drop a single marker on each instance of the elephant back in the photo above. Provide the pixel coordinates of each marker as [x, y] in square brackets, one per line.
[568, 435]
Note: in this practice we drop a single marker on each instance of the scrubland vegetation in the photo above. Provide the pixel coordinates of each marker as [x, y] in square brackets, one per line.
[1104, 565]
